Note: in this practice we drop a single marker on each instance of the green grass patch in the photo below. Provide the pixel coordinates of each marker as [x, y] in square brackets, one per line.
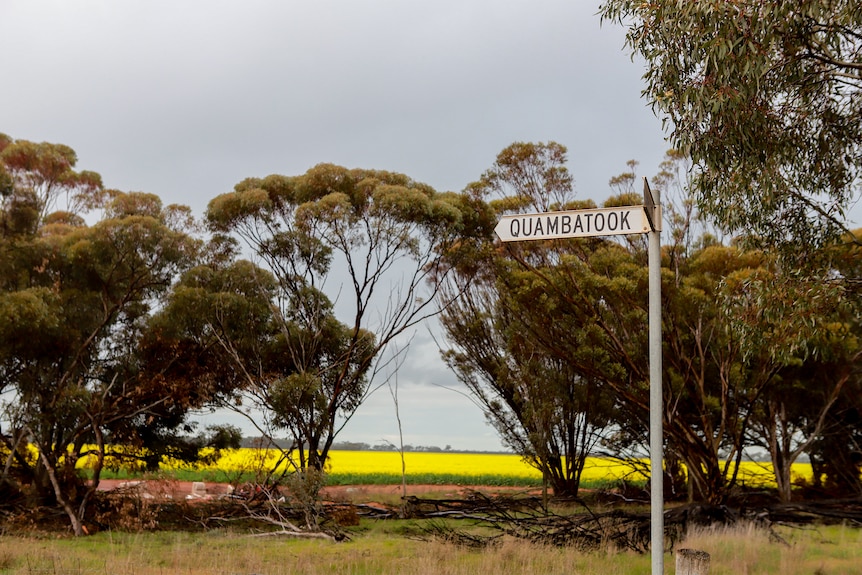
[370, 478]
[205, 475]
[430, 479]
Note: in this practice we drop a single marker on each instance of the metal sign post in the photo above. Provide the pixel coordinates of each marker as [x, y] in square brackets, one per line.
[653, 209]
[645, 219]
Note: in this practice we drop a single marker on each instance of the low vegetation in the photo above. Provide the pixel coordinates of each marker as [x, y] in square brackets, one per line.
[384, 548]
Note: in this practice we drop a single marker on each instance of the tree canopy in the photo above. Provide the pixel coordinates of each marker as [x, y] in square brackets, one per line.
[766, 98]
[117, 319]
[375, 240]
[740, 330]
[75, 301]
[541, 405]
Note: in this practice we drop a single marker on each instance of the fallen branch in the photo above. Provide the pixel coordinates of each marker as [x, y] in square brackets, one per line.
[297, 534]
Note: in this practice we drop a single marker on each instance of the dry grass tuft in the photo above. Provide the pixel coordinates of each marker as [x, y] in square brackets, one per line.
[748, 549]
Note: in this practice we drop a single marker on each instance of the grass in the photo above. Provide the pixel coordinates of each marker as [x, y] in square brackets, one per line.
[368, 478]
[382, 548]
[222, 553]
[822, 550]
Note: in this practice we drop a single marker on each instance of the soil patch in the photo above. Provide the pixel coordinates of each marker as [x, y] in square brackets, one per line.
[187, 490]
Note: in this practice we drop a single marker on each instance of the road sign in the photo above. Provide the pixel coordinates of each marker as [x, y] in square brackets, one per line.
[573, 224]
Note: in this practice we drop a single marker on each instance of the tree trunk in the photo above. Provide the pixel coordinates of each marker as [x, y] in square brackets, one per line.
[781, 470]
[675, 481]
[707, 480]
[563, 483]
[74, 519]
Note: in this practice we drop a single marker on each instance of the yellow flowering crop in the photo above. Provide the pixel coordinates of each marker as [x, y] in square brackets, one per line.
[430, 463]
[359, 466]
[467, 465]
[359, 463]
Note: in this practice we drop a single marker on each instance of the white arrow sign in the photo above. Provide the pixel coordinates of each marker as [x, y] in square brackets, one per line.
[573, 224]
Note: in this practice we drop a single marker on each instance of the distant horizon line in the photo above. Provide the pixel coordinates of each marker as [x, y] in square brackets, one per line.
[346, 445]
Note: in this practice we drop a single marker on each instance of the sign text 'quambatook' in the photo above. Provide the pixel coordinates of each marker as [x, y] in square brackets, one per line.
[573, 224]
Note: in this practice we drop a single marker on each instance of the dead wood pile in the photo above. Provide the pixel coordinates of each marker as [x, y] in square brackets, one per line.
[580, 526]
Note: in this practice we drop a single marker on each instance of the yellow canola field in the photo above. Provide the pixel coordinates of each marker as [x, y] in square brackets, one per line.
[461, 467]
[467, 465]
[389, 463]
[436, 463]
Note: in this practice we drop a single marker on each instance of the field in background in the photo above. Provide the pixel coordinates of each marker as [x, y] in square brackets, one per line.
[497, 469]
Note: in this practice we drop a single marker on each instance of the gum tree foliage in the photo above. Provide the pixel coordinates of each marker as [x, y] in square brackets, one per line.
[74, 302]
[836, 455]
[598, 294]
[541, 319]
[794, 335]
[815, 350]
[42, 175]
[541, 406]
[745, 363]
[766, 98]
[374, 242]
[224, 322]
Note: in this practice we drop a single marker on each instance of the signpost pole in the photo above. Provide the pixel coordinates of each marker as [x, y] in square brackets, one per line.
[655, 385]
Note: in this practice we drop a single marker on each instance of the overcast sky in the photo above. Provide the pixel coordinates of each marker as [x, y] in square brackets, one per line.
[186, 98]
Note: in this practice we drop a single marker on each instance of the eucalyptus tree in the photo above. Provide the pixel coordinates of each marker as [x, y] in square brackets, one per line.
[226, 333]
[355, 259]
[598, 294]
[540, 406]
[766, 98]
[75, 301]
[69, 329]
[834, 454]
[543, 408]
[560, 328]
[807, 330]
[43, 174]
[36, 324]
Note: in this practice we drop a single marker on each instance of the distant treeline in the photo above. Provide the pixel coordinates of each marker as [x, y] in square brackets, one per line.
[284, 443]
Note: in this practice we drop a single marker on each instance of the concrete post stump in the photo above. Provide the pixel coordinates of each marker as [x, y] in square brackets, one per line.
[692, 562]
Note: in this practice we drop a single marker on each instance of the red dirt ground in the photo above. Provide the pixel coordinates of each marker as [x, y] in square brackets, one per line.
[185, 490]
